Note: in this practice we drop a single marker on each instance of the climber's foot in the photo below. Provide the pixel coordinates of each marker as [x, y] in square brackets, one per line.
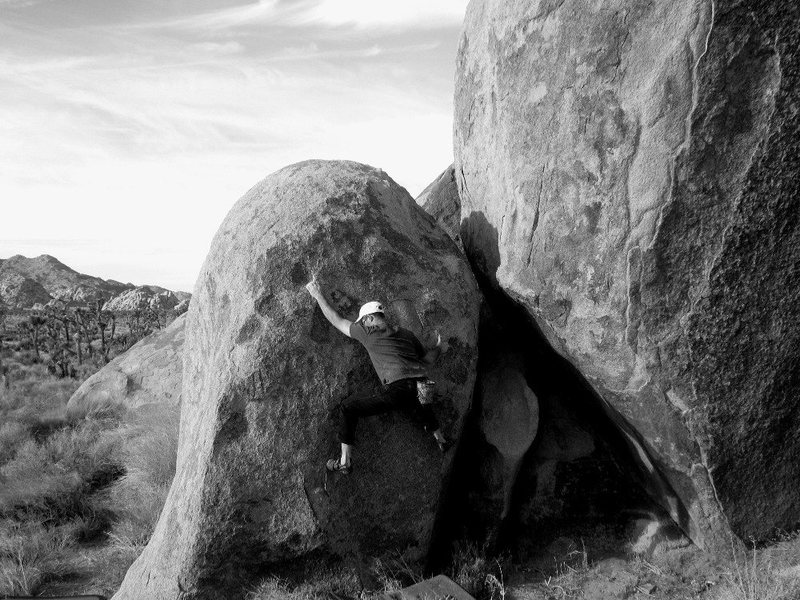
[335, 465]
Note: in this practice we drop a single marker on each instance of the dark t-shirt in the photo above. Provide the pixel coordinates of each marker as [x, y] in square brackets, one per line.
[395, 352]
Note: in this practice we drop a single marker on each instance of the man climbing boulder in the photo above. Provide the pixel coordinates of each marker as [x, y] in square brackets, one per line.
[401, 364]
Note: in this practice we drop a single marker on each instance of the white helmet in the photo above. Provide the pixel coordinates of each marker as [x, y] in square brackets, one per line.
[370, 308]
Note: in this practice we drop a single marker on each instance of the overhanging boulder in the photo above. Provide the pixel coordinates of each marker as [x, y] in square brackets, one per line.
[628, 172]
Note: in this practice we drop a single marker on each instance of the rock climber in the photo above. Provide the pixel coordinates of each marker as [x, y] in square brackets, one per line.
[400, 362]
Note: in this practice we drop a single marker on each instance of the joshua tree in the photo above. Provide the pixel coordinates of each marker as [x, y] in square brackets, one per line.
[113, 326]
[59, 348]
[79, 329]
[62, 316]
[101, 322]
[36, 321]
[3, 367]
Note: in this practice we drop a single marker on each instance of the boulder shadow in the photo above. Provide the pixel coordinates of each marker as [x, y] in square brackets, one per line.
[583, 472]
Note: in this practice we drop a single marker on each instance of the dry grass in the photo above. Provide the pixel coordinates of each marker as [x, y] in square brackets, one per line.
[51, 480]
[327, 584]
[32, 554]
[481, 575]
[769, 574]
[325, 577]
[94, 475]
[149, 454]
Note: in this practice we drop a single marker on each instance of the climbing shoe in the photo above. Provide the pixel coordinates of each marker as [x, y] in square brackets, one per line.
[444, 445]
[335, 466]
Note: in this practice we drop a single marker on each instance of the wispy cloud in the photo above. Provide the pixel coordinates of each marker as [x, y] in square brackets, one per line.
[364, 14]
[375, 15]
[147, 129]
[263, 11]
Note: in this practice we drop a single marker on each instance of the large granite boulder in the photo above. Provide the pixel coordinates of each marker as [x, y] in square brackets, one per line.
[440, 200]
[263, 370]
[628, 171]
[150, 372]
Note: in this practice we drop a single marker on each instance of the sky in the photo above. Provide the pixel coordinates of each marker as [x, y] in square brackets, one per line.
[128, 128]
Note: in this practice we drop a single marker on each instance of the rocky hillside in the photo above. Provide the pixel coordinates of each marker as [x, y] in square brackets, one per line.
[28, 281]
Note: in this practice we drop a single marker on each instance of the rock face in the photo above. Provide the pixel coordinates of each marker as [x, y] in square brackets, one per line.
[440, 200]
[628, 173]
[18, 291]
[181, 307]
[263, 369]
[150, 372]
[141, 298]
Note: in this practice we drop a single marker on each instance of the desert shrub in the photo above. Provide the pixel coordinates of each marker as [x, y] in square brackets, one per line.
[54, 468]
[32, 554]
[151, 443]
[12, 435]
[149, 453]
[327, 584]
[477, 572]
[50, 480]
[136, 507]
[35, 397]
[759, 574]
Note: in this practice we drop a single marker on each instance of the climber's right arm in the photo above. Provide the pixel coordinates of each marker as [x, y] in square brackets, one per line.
[330, 313]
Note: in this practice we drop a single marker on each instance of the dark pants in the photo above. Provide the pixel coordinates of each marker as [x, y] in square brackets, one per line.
[400, 395]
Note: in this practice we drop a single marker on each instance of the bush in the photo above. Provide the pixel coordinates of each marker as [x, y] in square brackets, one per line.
[757, 575]
[32, 554]
[68, 478]
[49, 469]
[327, 584]
[150, 447]
[480, 575]
[12, 435]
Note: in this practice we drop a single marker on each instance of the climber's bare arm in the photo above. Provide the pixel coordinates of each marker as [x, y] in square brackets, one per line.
[330, 313]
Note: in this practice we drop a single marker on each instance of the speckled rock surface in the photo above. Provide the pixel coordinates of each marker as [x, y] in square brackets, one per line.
[263, 369]
[628, 171]
[149, 372]
[440, 200]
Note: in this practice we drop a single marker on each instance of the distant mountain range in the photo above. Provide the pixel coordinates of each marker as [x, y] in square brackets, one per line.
[25, 282]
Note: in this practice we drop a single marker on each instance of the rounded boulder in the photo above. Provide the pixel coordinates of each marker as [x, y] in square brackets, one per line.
[264, 372]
